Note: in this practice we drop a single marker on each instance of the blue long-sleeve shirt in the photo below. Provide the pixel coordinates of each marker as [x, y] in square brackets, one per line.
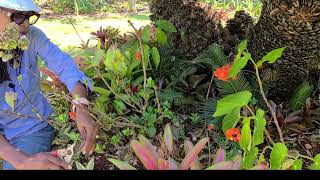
[58, 62]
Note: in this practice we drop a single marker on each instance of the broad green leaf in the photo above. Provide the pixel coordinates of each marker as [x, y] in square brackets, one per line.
[98, 56]
[145, 35]
[168, 138]
[144, 154]
[74, 136]
[250, 158]
[155, 56]
[188, 146]
[316, 163]
[99, 148]
[259, 127]
[161, 37]
[90, 165]
[110, 56]
[166, 25]
[231, 119]
[278, 156]
[193, 154]
[151, 131]
[119, 106]
[271, 57]
[245, 139]
[239, 64]
[229, 103]
[80, 166]
[297, 165]
[11, 99]
[242, 46]
[101, 91]
[121, 165]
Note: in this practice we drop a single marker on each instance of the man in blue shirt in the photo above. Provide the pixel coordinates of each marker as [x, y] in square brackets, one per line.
[26, 141]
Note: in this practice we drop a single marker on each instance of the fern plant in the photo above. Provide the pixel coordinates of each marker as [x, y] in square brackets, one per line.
[300, 95]
[214, 58]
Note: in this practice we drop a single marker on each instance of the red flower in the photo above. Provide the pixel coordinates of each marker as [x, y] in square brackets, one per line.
[134, 89]
[223, 73]
[72, 116]
[55, 154]
[138, 56]
[233, 134]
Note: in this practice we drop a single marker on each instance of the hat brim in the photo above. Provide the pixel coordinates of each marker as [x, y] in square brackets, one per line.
[20, 5]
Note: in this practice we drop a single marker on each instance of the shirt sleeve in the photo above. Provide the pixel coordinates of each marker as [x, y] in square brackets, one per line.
[59, 62]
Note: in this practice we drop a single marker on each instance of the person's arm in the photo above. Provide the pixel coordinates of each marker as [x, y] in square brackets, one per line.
[20, 160]
[63, 65]
[87, 127]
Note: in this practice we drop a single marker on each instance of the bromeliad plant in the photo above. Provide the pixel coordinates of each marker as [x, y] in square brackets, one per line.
[161, 159]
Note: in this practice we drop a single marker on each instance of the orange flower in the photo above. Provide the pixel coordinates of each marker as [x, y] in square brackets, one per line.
[233, 134]
[211, 127]
[223, 73]
[138, 56]
[72, 116]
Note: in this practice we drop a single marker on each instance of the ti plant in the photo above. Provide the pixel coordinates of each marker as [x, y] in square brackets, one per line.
[153, 159]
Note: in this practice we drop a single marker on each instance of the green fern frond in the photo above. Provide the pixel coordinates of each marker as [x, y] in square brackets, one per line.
[176, 98]
[233, 86]
[213, 58]
[206, 111]
[300, 96]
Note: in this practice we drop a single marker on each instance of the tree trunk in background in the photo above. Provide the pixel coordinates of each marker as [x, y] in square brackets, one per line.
[295, 24]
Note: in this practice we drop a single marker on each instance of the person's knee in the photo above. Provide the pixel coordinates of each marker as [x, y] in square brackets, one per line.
[7, 166]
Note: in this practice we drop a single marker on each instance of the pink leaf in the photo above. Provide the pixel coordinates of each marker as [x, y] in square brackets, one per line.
[121, 165]
[236, 163]
[225, 165]
[195, 165]
[168, 139]
[192, 155]
[220, 155]
[260, 167]
[163, 164]
[173, 165]
[146, 144]
[145, 155]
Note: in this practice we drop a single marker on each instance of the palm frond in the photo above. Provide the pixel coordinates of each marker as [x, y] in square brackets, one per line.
[213, 57]
[176, 98]
[233, 86]
[206, 111]
[300, 95]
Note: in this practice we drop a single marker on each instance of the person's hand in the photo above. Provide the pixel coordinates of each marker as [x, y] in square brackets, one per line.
[42, 161]
[88, 129]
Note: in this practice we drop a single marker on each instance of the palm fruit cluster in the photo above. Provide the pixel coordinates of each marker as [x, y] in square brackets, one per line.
[296, 25]
[10, 40]
[197, 23]
[200, 26]
[236, 30]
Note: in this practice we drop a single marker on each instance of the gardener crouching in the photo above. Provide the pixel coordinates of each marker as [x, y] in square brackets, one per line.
[26, 136]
